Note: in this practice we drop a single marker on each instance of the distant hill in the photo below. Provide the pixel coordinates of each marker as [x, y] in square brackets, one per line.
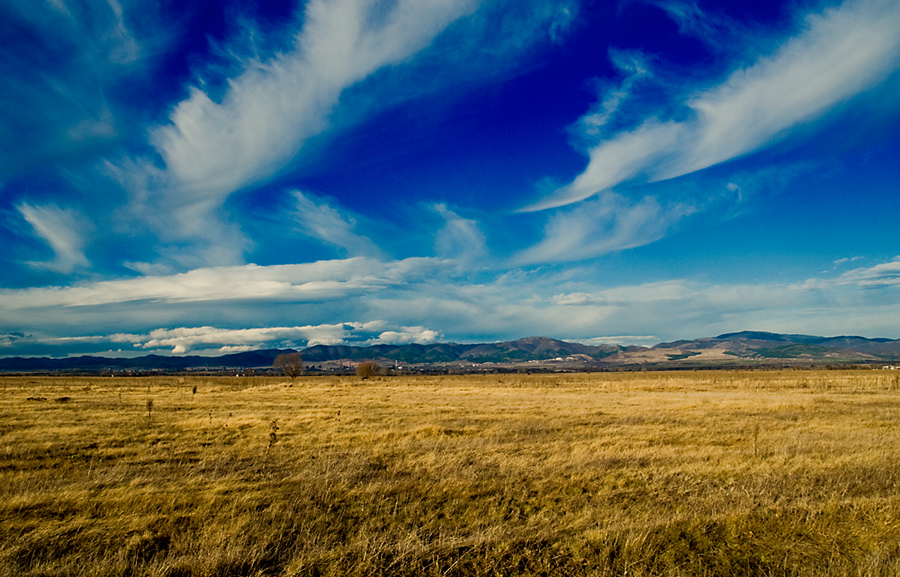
[527, 349]
[746, 347]
[756, 344]
[261, 358]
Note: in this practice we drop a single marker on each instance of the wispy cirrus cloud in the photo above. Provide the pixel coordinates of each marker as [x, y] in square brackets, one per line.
[714, 29]
[63, 230]
[211, 148]
[881, 275]
[837, 54]
[663, 291]
[249, 116]
[348, 61]
[884, 275]
[610, 223]
[459, 238]
[320, 220]
[599, 121]
[845, 260]
[58, 61]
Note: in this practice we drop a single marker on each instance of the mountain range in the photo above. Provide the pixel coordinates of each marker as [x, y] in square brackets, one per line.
[745, 348]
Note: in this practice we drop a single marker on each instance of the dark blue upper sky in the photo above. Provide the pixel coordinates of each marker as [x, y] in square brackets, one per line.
[210, 177]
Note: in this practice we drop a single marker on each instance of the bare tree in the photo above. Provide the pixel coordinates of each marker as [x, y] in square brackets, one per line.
[290, 363]
[367, 369]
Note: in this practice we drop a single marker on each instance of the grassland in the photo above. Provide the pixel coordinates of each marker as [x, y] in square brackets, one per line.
[702, 473]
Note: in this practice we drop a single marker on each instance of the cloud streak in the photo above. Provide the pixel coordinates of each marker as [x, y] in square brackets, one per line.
[311, 282]
[58, 61]
[881, 275]
[215, 340]
[62, 229]
[837, 55]
[610, 223]
[212, 148]
[459, 239]
[319, 220]
[424, 300]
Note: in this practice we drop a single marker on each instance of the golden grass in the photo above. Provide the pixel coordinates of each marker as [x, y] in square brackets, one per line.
[706, 473]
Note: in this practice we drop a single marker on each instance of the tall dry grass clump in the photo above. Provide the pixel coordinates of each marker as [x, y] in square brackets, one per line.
[719, 473]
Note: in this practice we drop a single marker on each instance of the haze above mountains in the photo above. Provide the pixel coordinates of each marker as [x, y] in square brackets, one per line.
[741, 348]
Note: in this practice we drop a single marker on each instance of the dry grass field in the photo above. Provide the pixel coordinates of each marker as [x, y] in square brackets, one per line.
[693, 473]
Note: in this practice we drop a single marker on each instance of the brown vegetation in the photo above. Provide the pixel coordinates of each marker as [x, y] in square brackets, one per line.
[291, 364]
[367, 369]
[719, 473]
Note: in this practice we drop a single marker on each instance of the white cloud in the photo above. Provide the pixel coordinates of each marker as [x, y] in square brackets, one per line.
[423, 300]
[215, 340]
[212, 148]
[406, 336]
[125, 48]
[147, 268]
[696, 309]
[594, 124]
[9, 340]
[460, 238]
[618, 160]
[838, 54]
[845, 260]
[63, 230]
[183, 339]
[310, 282]
[577, 298]
[599, 226]
[468, 312]
[316, 218]
[662, 291]
[881, 275]
[261, 94]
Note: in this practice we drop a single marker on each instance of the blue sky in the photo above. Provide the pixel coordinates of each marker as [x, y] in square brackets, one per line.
[208, 177]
